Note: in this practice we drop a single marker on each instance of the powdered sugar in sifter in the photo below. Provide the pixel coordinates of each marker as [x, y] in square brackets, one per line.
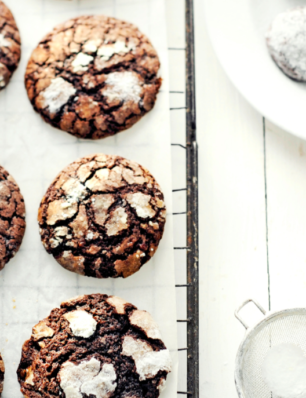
[271, 360]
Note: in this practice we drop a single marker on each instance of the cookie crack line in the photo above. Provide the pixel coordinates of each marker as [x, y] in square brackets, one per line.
[113, 230]
[111, 68]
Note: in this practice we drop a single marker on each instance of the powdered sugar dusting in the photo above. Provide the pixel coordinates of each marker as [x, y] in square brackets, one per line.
[81, 62]
[91, 46]
[42, 330]
[117, 222]
[60, 210]
[284, 369]
[144, 321]
[286, 40]
[118, 303]
[87, 378]
[100, 205]
[74, 190]
[101, 386]
[57, 94]
[124, 86]
[97, 180]
[119, 47]
[3, 41]
[89, 235]
[82, 324]
[148, 362]
[152, 362]
[73, 376]
[141, 203]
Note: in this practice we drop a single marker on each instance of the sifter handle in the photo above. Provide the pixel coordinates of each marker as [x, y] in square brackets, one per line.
[244, 304]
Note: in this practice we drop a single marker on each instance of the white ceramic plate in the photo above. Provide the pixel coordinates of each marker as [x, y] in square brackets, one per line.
[237, 30]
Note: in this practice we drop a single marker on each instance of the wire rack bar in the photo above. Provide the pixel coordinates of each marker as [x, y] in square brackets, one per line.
[176, 48]
[180, 145]
[179, 190]
[192, 210]
[192, 250]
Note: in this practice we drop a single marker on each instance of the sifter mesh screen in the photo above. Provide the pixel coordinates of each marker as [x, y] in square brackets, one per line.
[286, 327]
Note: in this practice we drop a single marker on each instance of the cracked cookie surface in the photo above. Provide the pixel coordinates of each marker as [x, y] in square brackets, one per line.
[10, 47]
[2, 371]
[103, 216]
[12, 217]
[93, 76]
[94, 346]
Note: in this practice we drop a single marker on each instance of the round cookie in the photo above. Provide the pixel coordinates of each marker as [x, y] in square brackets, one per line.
[103, 216]
[12, 217]
[286, 41]
[2, 370]
[10, 47]
[93, 76]
[95, 346]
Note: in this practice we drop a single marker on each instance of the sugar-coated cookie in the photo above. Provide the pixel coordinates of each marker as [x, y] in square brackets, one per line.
[286, 41]
[95, 346]
[103, 216]
[93, 76]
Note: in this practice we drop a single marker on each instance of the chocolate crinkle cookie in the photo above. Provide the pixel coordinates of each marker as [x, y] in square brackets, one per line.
[95, 346]
[93, 76]
[10, 47]
[103, 216]
[12, 217]
[2, 370]
[286, 41]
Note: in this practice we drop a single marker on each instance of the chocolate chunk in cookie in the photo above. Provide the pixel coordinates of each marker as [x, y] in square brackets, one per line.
[93, 76]
[95, 346]
[12, 217]
[10, 47]
[103, 216]
[286, 41]
[2, 370]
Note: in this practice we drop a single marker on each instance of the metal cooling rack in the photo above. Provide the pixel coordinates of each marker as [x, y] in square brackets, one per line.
[192, 254]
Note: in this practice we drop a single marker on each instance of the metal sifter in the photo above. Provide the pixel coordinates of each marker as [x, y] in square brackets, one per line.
[287, 326]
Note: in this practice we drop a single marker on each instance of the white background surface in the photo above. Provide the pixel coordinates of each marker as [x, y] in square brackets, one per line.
[34, 153]
[244, 241]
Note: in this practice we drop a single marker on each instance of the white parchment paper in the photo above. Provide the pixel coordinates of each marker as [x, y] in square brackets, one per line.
[34, 153]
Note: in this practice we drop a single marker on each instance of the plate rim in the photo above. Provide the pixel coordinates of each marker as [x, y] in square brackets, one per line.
[285, 126]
